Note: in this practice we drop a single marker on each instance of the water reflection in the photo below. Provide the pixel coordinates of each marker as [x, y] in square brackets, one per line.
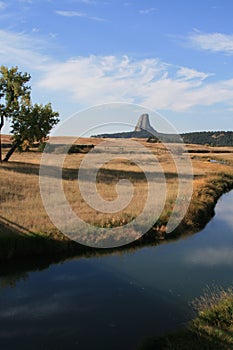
[211, 257]
[93, 306]
[113, 301]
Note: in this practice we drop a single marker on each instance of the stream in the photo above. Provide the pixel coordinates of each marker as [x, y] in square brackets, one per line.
[112, 302]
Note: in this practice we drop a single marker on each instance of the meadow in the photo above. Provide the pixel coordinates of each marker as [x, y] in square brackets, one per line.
[23, 216]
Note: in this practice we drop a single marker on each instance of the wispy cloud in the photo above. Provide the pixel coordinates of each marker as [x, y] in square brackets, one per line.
[98, 19]
[147, 11]
[79, 14]
[149, 82]
[91, 2]
[88, 2]
[89, 80]
[21, 49]
[35, 30]
[71, 13]
[26, 1]
[214, 42]
[185, 73]
[3, 5]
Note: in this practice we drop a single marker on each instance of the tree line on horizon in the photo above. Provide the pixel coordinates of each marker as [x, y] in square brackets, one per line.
[210, 138]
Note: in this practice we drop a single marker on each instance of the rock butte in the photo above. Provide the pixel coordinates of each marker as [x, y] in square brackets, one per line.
[144, 124]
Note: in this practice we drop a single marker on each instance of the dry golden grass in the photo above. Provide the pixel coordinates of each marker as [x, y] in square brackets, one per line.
[21, 204]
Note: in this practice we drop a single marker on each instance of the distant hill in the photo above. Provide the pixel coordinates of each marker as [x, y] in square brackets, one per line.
[143, 134]
[211, 138]
[144, 129]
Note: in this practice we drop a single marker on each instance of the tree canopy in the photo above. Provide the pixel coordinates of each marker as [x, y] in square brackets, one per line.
[34, 123]
[28, 122]
[14, 93]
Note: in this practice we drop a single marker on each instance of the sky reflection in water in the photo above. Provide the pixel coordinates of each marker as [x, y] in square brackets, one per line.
[114, 301]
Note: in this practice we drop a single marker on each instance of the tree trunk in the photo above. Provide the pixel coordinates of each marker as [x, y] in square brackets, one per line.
[11, 151]
[1, 126]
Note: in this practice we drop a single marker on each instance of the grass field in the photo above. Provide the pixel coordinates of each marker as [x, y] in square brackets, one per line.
[22, 213]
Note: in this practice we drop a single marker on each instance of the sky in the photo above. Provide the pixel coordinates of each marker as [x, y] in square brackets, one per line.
[171, 56]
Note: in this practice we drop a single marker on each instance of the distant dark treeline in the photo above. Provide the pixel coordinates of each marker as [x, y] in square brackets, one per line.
[126, 135]
[211, 138]
[144, 135]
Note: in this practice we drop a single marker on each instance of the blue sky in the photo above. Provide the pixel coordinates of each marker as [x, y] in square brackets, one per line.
[175, 57]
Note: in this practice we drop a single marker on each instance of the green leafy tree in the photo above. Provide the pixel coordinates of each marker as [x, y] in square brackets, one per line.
[29, 123]
[33, 124]
[14, 94]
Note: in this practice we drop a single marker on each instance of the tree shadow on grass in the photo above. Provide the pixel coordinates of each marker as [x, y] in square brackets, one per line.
[105, 175]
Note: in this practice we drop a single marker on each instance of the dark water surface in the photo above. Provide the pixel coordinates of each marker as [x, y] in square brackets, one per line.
[113, 302]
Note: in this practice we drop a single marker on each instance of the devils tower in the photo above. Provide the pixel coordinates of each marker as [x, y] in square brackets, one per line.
[143, 124]
[143, 129]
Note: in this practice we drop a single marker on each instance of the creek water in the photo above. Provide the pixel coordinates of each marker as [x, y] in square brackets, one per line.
[114, 301]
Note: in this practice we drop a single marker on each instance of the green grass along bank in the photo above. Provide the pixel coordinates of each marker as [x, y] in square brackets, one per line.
[212, 329]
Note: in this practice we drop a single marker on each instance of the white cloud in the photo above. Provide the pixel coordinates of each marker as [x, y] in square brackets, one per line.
[214, 42]
[98, 19]
[71, 13]
[188, 74]
[79, 14]
[100, 79]
[26, 1]
[21, 49]
[92, 2]
[147, 11]
[88, 2]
